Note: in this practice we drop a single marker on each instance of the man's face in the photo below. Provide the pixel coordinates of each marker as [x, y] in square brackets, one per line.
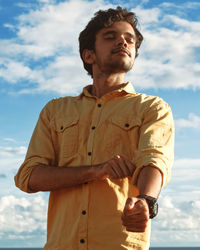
[115, 48]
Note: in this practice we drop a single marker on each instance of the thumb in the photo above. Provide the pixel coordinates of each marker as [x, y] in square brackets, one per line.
[130, 203]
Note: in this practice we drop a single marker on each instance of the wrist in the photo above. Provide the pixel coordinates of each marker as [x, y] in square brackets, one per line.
[152, 205]
[96, 172]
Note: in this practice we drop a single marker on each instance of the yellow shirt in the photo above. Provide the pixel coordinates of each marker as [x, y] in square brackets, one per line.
[86, 130]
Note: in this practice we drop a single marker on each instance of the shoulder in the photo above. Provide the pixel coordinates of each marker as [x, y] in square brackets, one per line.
[59, 105]
[146, 103]
[149, 99]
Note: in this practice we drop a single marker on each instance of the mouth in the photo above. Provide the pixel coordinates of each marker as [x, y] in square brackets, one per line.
[121, 51]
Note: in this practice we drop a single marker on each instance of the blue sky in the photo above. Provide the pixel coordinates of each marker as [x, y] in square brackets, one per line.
[39, 60]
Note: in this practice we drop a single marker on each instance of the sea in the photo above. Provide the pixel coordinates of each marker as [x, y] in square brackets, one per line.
[151, 248]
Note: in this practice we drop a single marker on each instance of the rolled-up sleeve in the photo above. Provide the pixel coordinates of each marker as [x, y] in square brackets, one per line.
[156, 140]
[40, 151]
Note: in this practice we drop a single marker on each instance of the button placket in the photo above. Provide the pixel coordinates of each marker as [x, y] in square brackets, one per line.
[94, 122]
[83, 224]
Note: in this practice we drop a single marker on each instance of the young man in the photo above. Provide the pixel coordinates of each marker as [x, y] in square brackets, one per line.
[105, 154]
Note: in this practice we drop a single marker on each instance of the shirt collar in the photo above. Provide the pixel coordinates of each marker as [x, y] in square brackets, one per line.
[126, 88]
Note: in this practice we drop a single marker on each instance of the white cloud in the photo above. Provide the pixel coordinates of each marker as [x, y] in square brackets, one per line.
[168, 54]
[185, 179]
[178, 220]
[12, 151]
[19, 216]
[193, 121]
[11, 157]
[50, 32]
[13, 71]
[176, 223]
[54, 27]
[179, 208]
[183, 6]
[61, 75]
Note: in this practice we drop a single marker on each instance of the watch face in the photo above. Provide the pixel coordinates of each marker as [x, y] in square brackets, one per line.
[153, 210]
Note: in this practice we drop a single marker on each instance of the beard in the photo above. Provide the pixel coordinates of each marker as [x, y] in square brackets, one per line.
[115, 65]
[119, 66]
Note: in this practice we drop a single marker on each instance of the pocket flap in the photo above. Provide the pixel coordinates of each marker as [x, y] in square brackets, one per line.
[125, 122]
[61, 124]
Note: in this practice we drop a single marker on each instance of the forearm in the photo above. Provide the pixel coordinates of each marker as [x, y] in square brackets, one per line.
[149, 181]
[49, 178]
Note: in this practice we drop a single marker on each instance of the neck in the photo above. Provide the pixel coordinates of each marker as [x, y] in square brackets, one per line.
[104, 84]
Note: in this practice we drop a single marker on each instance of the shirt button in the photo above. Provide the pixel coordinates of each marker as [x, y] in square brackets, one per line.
[86, 183]
[61, 128]
[99, 105]
[127, 125]
[83, 212]
[93, 127]
[82, 241]
[89, 153]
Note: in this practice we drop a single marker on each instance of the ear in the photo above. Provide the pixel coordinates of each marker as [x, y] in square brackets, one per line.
[88, 56]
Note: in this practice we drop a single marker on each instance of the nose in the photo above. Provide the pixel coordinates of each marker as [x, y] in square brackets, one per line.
[121, 41]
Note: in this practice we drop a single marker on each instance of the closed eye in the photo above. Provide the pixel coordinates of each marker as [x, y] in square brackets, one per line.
[130, 40]
[109, 37]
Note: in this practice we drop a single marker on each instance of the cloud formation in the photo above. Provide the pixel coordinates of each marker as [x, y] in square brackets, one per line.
[168, 55]
[193, 121]
[178, 220]
[42, 56]
[23, 218]
[44, 51]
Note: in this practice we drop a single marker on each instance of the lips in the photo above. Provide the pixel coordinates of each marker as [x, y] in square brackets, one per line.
[117, 50]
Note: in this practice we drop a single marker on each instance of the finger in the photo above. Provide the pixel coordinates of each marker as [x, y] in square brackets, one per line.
[141, 205]
[136, 219]
[135, 206]
[137, 224]
[129, 206]
[140, 217]
[125, 164]
[114, 169]
[116, 166]
[121, 165]
[130, 166]
[115, 173]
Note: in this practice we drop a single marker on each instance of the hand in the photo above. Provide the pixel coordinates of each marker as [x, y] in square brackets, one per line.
[135, 216]
[117, 167]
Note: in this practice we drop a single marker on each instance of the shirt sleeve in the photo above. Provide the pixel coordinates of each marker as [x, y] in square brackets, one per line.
[40, 151]
[156, 140]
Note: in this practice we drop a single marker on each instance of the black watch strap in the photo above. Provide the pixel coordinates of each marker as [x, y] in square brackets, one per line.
[152, 204]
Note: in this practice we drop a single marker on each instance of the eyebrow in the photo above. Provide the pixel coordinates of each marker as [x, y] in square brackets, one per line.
[115, 32]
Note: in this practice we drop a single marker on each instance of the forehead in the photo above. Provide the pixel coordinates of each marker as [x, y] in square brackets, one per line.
[121, 27]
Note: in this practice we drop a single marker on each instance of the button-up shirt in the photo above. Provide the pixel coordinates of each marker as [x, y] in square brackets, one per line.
[86, 130]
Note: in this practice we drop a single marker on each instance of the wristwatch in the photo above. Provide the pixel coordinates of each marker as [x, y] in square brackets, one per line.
[152, 204]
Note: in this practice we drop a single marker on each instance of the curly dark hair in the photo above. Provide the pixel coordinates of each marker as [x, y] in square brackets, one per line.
[101, 20]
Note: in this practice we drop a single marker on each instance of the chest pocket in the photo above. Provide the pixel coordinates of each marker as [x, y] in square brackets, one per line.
[125, 123]
[125, 135]
[68, 133]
